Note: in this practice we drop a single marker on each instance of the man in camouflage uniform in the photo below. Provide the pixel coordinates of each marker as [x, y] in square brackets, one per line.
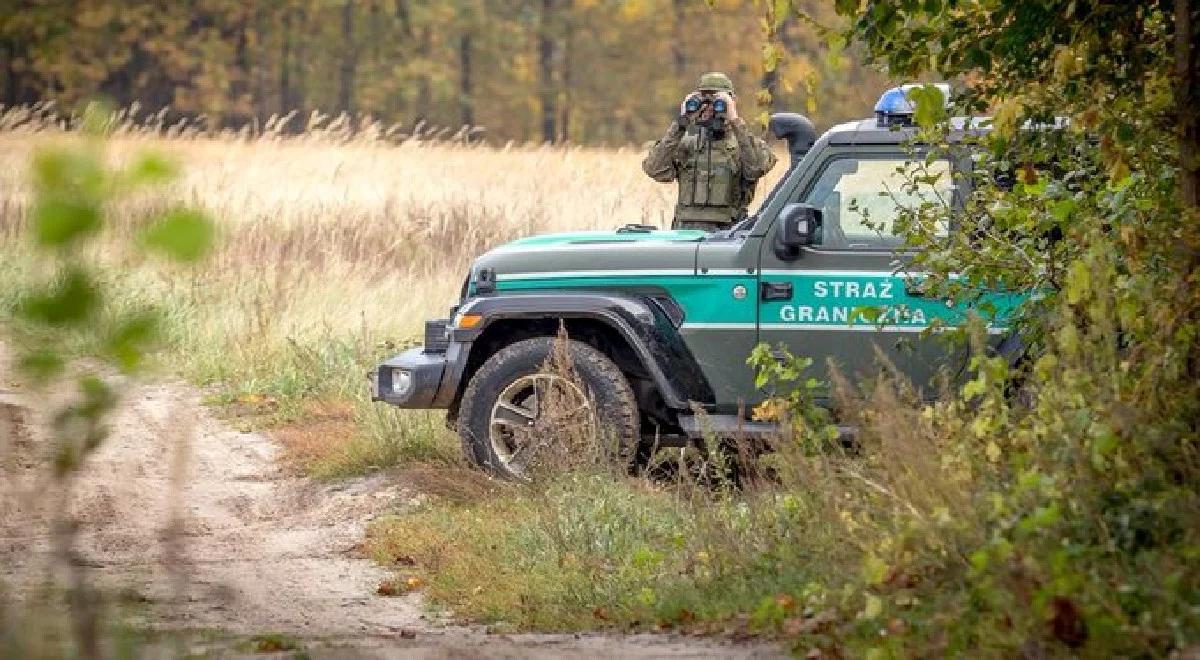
[717, 163]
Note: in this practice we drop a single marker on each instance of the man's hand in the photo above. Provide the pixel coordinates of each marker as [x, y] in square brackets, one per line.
[730, 105]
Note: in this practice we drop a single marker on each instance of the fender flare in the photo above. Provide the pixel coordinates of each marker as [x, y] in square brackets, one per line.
[641, 321]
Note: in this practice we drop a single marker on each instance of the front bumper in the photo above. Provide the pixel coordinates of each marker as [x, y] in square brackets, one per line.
[423, 377]
[425, 371]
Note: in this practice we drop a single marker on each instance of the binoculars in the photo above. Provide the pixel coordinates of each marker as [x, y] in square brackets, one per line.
[694, 103]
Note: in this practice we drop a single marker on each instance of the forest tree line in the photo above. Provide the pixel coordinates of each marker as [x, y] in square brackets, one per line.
[584, 71]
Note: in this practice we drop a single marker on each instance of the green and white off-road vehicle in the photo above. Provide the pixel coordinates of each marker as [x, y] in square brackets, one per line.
[660, 323]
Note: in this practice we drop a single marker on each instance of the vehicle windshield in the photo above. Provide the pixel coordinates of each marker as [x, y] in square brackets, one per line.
[746, 224]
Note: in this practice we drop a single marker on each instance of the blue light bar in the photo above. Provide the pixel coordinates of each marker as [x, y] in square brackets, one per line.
[894, 102]
[894, 108]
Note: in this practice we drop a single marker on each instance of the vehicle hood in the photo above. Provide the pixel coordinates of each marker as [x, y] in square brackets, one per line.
[607, 237]
[594, 251]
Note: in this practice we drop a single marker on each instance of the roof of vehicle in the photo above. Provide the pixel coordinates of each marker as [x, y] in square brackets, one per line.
[868, 131]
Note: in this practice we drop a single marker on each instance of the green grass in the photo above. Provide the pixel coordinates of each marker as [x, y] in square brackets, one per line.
[314, 397]
[922, 545]
[592, 550]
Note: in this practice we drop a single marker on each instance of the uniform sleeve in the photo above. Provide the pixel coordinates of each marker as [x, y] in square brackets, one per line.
[659, 163]
[755, 155]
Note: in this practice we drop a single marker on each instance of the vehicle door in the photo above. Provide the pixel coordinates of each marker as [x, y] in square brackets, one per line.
[848, 298]
[721, 327]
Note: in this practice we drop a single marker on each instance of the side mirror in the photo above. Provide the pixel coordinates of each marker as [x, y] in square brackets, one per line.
[798, 225]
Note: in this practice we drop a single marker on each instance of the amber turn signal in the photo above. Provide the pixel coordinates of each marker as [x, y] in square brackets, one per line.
[469, 320]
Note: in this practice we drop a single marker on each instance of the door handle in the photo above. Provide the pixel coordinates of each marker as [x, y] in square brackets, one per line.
[776, 291]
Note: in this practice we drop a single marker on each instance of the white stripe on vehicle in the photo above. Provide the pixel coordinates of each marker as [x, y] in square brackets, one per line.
[567, 274]
[676, 272]
[839, 327]
[841, 273]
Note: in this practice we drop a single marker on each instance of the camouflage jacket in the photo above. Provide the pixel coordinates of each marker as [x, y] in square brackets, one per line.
[686, 149]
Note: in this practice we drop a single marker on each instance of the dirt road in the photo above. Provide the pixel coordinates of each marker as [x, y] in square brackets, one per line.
[258, 550]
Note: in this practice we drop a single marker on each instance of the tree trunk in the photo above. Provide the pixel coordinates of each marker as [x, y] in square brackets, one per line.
[285, 69]
[1187, 100]
[770, 79]
[547, 91]
[262, 62]
[466, 94]
[405, 17]
[424, 85]
[349, 60]
[10, 77]
[299, 72]
[770, 84]
[678, 50]
[240, 86]
[564, 120]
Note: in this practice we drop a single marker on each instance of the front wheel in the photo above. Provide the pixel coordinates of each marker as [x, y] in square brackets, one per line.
[539, 402]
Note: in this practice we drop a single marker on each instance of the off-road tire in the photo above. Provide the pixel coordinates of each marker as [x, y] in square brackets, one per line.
[612, 398]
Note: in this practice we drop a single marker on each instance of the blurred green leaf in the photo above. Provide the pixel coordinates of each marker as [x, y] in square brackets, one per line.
[182, 234]
[69, 302]
[58, 222]
[41, 365]
[98, 396]
[66, 456]
[61, 171]
[128, 341]
[930, 105]
[151, 168]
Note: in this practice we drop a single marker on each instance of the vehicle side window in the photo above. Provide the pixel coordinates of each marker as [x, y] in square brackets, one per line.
[860, 199]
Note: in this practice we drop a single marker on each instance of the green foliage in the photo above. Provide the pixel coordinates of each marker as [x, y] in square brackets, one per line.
[67, 316]
[71, 301]
[1082, 453]
[793, 397]
[181, 234]
[70, 187]
[68, 333]
[127, 342]
[930, 105]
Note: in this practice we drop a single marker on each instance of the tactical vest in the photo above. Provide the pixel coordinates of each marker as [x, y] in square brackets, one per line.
[709, 179]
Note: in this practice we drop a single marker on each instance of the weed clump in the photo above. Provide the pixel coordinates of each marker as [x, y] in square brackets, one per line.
[922, 538]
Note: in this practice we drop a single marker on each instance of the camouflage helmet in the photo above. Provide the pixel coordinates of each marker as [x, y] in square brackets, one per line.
[715, 81]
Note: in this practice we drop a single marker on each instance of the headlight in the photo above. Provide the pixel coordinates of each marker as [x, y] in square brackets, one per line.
[401, 381]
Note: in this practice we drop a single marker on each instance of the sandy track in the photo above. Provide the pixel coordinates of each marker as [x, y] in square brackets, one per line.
[258, 549]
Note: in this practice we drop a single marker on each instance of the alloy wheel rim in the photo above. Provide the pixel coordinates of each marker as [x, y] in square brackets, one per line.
[534, 411]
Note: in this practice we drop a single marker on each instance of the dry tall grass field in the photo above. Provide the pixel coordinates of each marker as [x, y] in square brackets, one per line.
[331, 250]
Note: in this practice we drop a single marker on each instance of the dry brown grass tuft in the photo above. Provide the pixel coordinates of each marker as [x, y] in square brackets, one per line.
[319, 437]
[455, 484]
